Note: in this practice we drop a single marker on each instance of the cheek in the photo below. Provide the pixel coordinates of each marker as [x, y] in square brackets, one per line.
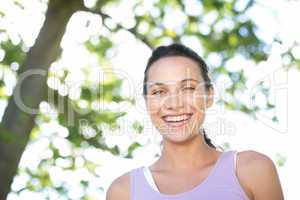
[152, 108]
[197, 101]
[153, 111]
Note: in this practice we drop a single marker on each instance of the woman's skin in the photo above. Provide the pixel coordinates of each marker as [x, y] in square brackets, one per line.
[175, 88]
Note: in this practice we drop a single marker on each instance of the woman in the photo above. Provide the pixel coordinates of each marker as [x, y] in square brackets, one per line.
[177, 92]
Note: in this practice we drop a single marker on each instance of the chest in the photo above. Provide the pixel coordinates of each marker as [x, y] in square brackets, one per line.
[175, 183]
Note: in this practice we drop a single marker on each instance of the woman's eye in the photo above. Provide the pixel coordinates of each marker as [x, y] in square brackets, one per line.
[158, 92]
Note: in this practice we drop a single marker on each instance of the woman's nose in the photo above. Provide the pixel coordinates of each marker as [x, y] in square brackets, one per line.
[173, 101]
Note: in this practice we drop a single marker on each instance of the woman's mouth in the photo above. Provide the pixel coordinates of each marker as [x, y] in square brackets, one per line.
[177, 121]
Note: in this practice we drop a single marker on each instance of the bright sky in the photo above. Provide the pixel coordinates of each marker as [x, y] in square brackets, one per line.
[273, 18]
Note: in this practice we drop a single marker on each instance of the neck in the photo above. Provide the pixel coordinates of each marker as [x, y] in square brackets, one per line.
[194, 154]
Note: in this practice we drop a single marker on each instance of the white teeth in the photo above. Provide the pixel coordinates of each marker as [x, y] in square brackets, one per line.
[177, 118]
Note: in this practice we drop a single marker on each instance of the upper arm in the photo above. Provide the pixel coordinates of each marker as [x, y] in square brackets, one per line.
[119, 188]
[259, 174]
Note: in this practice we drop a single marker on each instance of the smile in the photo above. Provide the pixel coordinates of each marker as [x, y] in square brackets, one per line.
[177, 120]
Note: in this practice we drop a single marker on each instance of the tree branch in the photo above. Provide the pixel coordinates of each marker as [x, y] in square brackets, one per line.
[119, 26]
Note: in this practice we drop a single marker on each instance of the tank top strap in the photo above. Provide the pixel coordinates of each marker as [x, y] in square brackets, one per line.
[226, 166]
[132, 183]
[138, 187]
[224, 178]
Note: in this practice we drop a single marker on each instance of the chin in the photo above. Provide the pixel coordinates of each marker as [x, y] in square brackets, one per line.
[178, 137]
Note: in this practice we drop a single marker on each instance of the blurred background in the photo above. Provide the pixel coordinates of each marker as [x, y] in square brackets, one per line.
[72, 113]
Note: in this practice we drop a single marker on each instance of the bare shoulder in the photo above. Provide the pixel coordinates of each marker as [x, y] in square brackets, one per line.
[119, 189]
[258, 174]
[252, 164]
[254, 160]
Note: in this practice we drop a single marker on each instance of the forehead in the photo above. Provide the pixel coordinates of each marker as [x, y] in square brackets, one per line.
[173, 69]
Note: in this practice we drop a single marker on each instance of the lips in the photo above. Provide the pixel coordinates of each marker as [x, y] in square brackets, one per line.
[177, 120]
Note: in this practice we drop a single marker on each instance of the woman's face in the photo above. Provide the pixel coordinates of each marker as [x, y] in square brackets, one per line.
[176, 97]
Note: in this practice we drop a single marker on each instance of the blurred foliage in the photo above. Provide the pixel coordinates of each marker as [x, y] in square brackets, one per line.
[13, 53]
[280, 159]
[222, 28]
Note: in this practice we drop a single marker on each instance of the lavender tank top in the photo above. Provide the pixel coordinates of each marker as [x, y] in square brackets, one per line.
[221, 183]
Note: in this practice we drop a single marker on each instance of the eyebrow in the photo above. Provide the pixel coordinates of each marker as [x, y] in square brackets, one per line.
[182, 81]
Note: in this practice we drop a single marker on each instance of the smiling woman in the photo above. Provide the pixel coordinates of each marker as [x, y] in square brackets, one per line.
[177, 92]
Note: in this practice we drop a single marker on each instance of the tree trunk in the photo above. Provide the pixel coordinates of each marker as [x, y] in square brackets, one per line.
[18, 121]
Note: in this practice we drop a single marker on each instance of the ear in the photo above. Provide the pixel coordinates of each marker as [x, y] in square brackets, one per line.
[210, 97]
